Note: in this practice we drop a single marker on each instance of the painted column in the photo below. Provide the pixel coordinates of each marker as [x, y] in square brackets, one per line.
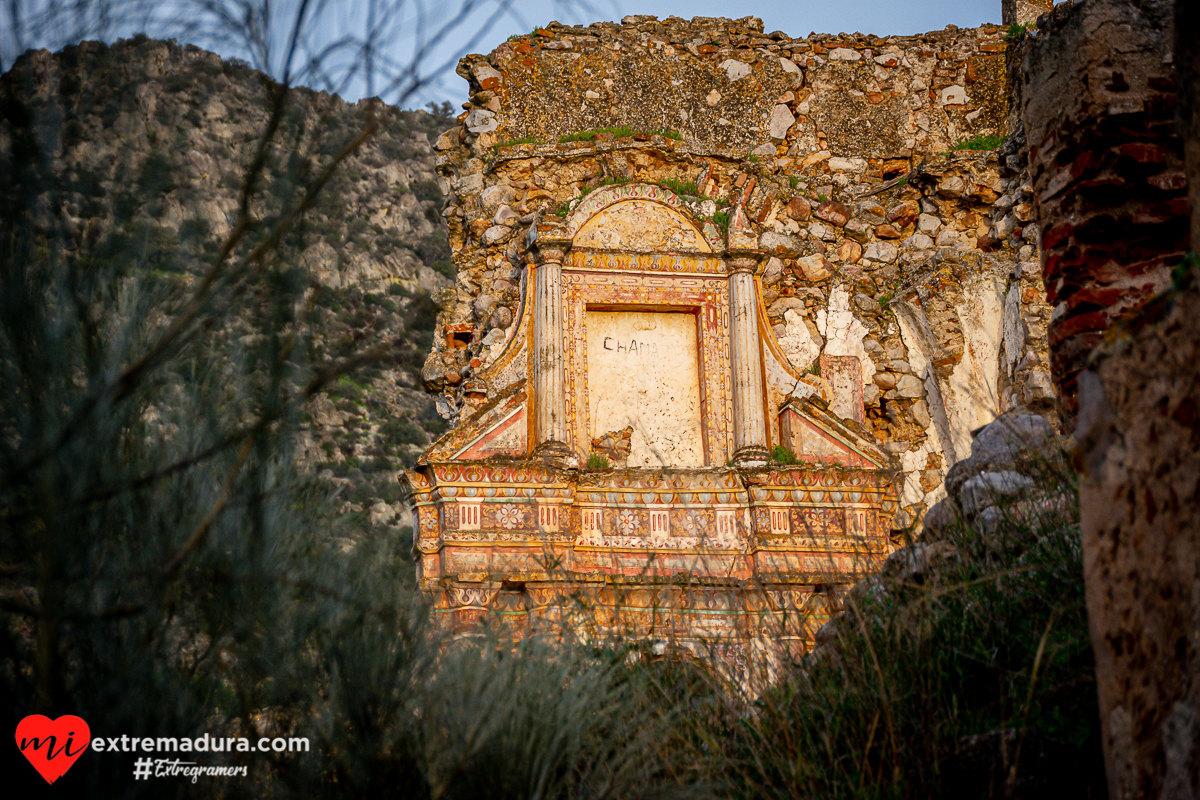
[549, 380]
[749, 419]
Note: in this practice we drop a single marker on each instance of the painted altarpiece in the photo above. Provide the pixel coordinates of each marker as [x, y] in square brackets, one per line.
[642, 338]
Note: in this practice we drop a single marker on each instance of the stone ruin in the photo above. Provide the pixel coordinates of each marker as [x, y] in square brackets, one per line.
[728, 308]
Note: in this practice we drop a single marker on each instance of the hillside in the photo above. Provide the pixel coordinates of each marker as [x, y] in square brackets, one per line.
[136, 170]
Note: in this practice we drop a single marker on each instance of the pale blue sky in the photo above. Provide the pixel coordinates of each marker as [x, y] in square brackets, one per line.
[430, 34]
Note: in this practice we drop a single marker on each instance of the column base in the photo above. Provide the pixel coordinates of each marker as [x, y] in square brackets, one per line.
[752, 455]
[556, 454]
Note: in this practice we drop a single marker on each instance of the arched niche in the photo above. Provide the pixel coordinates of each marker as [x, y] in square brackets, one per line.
[646, 329]
[639, 218]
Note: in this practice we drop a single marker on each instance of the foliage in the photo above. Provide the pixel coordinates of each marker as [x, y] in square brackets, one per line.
[681, 187]
[982, 141]
[1016, 30]
[427, 191]
[598, 461]
[992, 645]
[617, 132]
[588, 189]
[784, 455]
[1183, 274]
[401, 431]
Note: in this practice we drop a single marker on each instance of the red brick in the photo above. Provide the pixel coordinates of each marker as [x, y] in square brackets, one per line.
[1168, 181]
[1145, 153]
[1083, 323]
[766, 210]
[1107, 180]
[1057, 234]
[1153, 214]
[1087, 161]
[1097, 296]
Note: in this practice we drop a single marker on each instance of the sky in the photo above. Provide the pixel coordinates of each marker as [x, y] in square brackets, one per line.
[409, 60]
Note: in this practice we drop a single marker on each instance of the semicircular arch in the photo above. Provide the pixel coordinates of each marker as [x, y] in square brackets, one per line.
[639, 218]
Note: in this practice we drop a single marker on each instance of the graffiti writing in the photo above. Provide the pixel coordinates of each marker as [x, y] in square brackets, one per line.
[634, 347]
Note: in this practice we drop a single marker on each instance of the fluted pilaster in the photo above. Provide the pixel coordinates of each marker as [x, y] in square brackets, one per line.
[549, 381]
[749, 419]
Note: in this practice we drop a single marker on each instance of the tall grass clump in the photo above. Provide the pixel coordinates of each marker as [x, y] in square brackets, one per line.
[963, 670]
[982, 141]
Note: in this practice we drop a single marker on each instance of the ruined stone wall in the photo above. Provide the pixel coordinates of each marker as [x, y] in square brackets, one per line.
[832, 154]
[1107, 169]
[1112, 193]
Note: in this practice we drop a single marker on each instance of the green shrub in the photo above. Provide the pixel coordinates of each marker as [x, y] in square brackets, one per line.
[784, 455]
[993, 643]
[679, 187]
[401, 431]
[983, 141]
[1017, 30]
[617, 132]
[598, 461]
[432, 248]
[427, 190]
[157, 175]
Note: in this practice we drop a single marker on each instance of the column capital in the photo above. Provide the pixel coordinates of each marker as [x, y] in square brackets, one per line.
[751, 455]
[556, 454]
[548, 251]
[742, 261]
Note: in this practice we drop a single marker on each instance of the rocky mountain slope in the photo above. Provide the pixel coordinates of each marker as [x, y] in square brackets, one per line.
[137, 162]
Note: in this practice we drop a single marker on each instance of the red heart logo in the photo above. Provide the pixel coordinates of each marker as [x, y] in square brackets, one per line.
[53, 745]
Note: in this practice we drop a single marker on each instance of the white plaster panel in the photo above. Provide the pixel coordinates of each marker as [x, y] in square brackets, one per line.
[974, 383]
[844, 332]
[643, 371]
[797, 342]
[1014, 328]
[921, 346]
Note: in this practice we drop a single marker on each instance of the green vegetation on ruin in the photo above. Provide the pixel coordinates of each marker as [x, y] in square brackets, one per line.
[983, 141]
[784, 455]
[597, 461]
[1016, 30]
[618, 132]
[679, 187]
[514, 142]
